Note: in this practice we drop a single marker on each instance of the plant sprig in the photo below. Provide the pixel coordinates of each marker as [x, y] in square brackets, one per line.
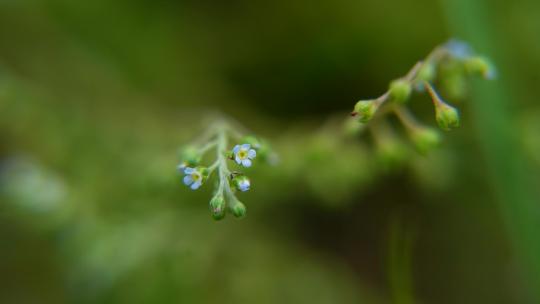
[229, 182]
[448, 64]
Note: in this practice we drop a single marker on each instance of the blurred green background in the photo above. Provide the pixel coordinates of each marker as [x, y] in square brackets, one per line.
[96, 98]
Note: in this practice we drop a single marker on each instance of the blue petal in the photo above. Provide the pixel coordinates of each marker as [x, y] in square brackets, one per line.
[246, 163]
[246, 146]
[236, 149]
[238, 160]
[189, 170]
[252, 153]
[196, 185]
[244, 186]
[458, 49]
[188, 180]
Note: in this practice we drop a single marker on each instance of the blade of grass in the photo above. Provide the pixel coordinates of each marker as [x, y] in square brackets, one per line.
[505, 159]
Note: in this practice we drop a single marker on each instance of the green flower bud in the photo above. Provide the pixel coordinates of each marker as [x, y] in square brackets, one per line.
[425, 139]
[365, 109]
[190, 156]
[252, 140]
[447, 116]
[479, 65]
[217, 207]
[238, 210]
[241, 182]
[400, 90]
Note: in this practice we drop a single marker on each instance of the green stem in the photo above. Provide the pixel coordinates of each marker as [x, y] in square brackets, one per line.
[399, 262]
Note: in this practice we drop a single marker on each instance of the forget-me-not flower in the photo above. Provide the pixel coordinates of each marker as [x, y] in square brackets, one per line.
[243, 154]
[193, 178]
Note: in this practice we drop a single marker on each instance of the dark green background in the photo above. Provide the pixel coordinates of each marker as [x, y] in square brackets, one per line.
[97, 96]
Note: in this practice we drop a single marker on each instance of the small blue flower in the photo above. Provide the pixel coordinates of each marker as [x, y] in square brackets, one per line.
[242, 183]
[459, 49]
[193, 178]
[243, 154]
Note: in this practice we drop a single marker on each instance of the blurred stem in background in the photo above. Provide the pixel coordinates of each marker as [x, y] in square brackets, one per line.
[399, 261]
[496, 129]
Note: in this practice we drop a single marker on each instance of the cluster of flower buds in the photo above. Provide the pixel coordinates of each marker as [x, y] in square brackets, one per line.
[229, 182]
[447, 65]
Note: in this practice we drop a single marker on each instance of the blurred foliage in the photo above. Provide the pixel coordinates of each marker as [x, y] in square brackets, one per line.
[97, 97]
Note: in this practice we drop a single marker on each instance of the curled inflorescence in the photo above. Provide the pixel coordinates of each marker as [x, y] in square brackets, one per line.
[447, 65]
[243, 154]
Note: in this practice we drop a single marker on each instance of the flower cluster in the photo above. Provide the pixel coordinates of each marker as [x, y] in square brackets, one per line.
[447, 65]
[242, 155]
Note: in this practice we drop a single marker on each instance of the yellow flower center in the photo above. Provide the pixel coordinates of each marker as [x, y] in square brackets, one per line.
[195, 176]
[242, 154]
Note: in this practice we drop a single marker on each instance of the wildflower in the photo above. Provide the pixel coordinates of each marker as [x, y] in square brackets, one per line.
[243, 154]
[194, 177]
[241, 183]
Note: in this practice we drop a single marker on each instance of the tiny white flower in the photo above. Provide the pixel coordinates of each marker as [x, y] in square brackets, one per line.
[193, 178]
[243, 154]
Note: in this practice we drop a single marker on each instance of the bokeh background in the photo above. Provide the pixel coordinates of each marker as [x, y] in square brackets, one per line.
[96, 98]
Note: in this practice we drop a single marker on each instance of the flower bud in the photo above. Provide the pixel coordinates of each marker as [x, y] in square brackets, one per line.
[479, 65]
[190, 156]
[365, 109]
[217, 207]
[447, 116]
[238, 210]
[262, 147]
[400, 90]
[241, 182]
[425, 139]
[252, 140]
